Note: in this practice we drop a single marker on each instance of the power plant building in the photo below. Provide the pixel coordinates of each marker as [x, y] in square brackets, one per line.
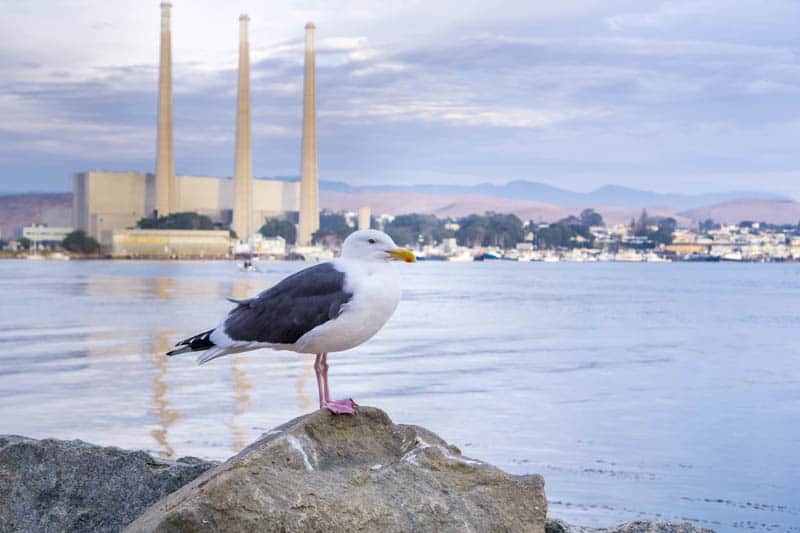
[104, 201]
[107, 201]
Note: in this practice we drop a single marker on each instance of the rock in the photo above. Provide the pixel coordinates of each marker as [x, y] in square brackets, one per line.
[638, 526]
[51, 485]
[351, 473]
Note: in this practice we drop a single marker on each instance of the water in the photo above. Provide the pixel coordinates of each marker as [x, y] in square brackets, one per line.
[637, 390]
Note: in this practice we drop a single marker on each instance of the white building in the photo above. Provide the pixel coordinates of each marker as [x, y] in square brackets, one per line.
[41, 234]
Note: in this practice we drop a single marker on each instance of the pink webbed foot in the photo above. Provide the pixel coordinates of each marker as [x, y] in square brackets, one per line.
[340, 407]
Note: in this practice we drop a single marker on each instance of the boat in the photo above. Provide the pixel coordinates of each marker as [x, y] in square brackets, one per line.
[652, 257]
[247, 266]
[463, 257]
[732, 256]
[487, 256]
[629, 256]
[701, 258]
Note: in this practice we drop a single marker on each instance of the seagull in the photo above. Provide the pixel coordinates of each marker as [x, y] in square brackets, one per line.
[329, 307]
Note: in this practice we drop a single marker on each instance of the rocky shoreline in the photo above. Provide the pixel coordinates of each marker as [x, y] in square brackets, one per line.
[315, 473]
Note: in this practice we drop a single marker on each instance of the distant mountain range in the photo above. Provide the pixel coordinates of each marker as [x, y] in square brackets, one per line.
[608, 195]
[529, 200]
[18, 210]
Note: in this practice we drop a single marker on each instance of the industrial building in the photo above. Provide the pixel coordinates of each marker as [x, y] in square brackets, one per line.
[107, 201]
[149, 243]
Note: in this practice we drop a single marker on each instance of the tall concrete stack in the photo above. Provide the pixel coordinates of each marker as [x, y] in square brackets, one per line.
[309, 183]
[166, 197]
[364, 217]
[243, 223]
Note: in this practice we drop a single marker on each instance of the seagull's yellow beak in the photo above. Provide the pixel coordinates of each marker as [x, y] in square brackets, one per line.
[402, 254]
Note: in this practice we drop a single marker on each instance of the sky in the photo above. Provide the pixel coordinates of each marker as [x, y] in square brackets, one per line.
[672, 96]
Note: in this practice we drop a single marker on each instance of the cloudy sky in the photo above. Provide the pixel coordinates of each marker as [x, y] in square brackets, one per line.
[673, 96]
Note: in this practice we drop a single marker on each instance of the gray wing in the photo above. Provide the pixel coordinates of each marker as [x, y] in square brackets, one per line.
[290, 309]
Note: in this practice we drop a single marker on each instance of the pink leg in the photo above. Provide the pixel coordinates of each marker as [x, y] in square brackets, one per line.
[334, 406]
[320, 380]
[325, 386]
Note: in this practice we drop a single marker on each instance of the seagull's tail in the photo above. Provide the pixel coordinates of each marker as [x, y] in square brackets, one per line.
[198, 343]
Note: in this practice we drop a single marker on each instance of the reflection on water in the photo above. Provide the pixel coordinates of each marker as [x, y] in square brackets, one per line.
[166, 416]
[241, 387]
[306, 401]
[636, 390]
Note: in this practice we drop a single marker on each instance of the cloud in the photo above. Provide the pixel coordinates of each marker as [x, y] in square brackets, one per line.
[614, 91]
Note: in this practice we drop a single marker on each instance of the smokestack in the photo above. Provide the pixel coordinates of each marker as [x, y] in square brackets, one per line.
[166, 190]
[364, 218]
[243, 176]
[309, 184]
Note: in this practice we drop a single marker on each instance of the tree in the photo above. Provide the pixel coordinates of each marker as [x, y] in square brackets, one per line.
[25, 243]
[186, 220]
[707, 225]
[505, 231]
[589, 218]
[407, 229]
[472, 231]
[491, 229]
[569, 232]
[664, 233]
[641, 224]
[80, 243]
[279, 227]
[332, 227]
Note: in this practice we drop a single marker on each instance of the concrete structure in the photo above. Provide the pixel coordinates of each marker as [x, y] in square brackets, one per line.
[166, 189]
[104, 201]
[309, 184]
[243, 223]
[364, 218]
[170, 243]
[107, 201]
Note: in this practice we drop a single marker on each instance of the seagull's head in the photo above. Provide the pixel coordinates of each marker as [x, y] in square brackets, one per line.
[374, 245]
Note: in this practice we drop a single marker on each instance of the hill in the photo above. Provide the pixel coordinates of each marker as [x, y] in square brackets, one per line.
[18, 210]
[757, 210]
[396, 203]
[609, 195]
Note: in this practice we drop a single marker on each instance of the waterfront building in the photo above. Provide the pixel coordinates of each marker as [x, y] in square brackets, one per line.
[173, 244]
[273, 247]
[41, 234]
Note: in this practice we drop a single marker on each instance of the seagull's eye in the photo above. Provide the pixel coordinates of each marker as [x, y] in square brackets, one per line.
[371, 241]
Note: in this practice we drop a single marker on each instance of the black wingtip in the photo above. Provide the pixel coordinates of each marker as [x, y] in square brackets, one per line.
[199, 342]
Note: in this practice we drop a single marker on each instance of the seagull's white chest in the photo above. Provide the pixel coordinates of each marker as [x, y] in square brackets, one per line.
[376, 293]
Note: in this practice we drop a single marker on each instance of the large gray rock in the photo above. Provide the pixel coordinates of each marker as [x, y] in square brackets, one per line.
[51, 485]
[637, 526]
[351, 473]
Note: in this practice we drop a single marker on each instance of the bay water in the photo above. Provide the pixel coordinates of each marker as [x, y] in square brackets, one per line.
[666, 391]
